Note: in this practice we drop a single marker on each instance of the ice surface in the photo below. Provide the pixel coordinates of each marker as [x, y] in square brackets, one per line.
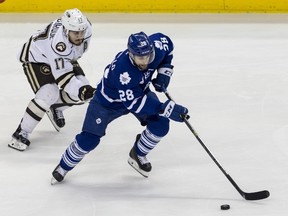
[231, 72]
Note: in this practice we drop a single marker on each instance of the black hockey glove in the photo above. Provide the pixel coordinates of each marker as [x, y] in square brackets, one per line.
[162, 79]
[86, 92]
[173, 111]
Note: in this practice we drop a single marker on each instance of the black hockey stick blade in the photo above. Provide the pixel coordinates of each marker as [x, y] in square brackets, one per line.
[256, 195]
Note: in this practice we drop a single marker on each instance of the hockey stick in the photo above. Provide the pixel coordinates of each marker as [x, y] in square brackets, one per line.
[248, 196]
[57, 105]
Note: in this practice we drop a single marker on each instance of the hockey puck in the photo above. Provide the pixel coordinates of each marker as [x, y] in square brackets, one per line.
[225, 207]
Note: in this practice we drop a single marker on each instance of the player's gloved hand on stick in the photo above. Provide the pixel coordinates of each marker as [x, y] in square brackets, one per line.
[162, 79]
[173, 111]
[86, 92]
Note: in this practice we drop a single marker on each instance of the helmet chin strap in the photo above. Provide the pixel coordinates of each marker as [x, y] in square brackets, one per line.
[131, 58]
[66, 31]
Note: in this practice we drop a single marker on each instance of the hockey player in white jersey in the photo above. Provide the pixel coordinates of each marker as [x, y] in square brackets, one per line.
[49, 60]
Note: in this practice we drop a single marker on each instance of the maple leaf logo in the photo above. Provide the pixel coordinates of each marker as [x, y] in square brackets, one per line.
[158, 44]
[124, 78]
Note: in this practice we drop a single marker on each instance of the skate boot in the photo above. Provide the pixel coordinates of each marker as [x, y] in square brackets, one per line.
[139, 163]
[56, 117]
[19, 140]
[58, 174]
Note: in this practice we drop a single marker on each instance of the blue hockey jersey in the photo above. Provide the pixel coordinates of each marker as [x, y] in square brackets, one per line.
[123, 84]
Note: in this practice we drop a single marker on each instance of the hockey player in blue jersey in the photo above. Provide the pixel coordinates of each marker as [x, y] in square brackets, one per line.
[124, 89]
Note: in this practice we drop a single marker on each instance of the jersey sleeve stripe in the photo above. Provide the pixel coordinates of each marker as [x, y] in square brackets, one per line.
[106, 96]
[64, 79]
[143, 101]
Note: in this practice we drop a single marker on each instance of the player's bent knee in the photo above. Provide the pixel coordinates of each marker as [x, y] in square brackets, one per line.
[160, 127]
[87, 141]
[48, 93]
[40, 103]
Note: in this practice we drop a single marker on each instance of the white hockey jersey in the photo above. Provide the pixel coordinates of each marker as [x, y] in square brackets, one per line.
[52, 46]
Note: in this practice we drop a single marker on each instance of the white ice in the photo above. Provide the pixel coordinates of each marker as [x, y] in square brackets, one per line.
[231, 72]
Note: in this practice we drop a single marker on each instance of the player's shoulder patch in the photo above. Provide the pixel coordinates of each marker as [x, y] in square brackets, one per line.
[60, 44]
[61, 47]
[162, 42]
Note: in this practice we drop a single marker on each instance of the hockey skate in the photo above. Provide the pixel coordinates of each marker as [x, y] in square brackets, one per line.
[139, 163]
[56, 117]
[19, 140]
[58, 175]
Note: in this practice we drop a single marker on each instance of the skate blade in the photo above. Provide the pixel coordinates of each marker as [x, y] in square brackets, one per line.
[54, 181]
[134, 164]
[15, 144]
[50, 116]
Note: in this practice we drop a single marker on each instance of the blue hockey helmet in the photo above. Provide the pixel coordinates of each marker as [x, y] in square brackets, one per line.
[139, 45]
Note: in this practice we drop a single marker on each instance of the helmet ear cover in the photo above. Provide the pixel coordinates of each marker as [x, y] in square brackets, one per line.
[74, 20]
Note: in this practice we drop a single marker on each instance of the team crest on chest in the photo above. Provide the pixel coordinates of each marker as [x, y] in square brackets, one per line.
[61, 46]
[124, 78]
